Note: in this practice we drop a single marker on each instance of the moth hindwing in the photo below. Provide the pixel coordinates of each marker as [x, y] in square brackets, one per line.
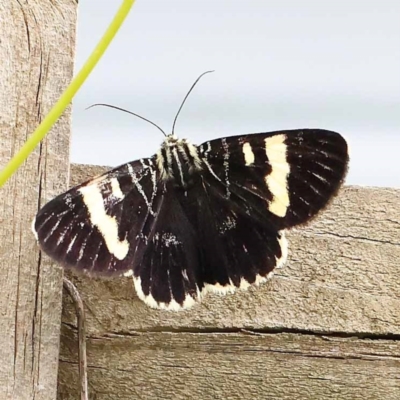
[192, 219]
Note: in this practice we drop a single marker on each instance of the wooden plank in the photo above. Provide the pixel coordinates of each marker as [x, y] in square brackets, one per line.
[342, 276]
[342, 279]
[36, 57]
[233, 366]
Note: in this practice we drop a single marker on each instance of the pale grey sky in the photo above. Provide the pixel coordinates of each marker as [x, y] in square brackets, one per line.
[278, 65]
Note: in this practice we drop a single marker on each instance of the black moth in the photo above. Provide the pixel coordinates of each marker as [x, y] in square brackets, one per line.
[192, 219]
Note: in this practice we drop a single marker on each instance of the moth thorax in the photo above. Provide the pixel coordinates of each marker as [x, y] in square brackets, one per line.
[179, 161]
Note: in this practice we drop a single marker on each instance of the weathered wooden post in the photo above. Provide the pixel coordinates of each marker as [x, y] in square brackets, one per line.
[37, 42]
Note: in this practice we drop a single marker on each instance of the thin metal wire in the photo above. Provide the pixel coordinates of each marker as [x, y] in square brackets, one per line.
[80, 316]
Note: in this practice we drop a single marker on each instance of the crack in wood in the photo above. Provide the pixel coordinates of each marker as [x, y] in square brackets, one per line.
[361, 238]
[249, 331]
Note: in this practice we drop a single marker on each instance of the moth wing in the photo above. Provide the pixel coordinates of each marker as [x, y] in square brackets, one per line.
[98, 227]
[235, 250]
[284, 177]
[169, 275]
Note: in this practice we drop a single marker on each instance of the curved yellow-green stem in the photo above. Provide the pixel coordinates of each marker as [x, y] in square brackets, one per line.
[68, 94]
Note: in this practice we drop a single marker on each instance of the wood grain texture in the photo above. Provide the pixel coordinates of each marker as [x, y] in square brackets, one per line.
[36, 64]
[342, 279]
[234, 366]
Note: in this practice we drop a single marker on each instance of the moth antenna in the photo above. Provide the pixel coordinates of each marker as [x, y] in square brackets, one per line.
[187, 95]
[129, 112]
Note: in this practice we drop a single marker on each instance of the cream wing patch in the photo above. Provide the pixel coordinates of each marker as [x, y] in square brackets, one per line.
[277, 180]
[116, 189]
[173, 305]
[248, 154]
[284, 249]
[220, 289]
[106, 224]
